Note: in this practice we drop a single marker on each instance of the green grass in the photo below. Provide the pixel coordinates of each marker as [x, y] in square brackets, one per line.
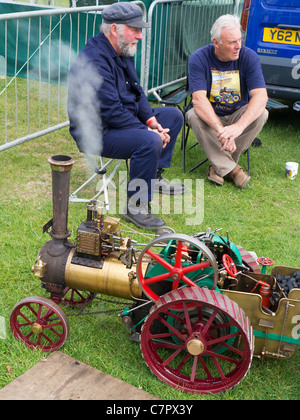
[264, 217]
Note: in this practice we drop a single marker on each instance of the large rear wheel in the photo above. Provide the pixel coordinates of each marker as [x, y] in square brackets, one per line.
[197, 340]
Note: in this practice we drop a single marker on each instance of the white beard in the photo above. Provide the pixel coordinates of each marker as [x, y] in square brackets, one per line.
[125, 47]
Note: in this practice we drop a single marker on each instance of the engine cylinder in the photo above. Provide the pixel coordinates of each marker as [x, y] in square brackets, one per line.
[113, 279]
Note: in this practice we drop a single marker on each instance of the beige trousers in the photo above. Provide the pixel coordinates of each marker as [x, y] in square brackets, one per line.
[224, 162]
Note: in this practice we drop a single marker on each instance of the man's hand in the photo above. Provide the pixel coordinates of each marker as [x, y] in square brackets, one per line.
[228, 145]
[163, 132]
[232, 131]
[227, 136]
[163, 135]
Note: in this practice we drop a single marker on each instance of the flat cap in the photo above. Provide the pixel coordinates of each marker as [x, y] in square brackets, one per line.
[124, 12]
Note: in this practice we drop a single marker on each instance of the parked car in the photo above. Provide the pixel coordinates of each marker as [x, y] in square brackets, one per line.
[272, 29]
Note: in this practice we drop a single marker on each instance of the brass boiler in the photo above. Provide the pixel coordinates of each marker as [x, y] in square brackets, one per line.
[91, 264]
[113, 279]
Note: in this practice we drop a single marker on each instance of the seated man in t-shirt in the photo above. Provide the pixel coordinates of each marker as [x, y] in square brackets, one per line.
[229, 100]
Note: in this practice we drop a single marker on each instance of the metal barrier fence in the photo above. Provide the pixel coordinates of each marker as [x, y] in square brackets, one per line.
[39, 47]
[178, 27]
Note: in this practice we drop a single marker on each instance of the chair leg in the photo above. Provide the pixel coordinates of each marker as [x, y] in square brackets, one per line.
[105, 181]
[193, 145]
[248, 158]
[199, 164]
[183, 144]
[73, 197]
[185, 136]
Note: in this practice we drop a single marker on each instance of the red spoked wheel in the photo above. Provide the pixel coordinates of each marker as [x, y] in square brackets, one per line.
[39, 323]
[73, 298]
[265, 261]
[229, 265]
[182, 346]
[171, 261]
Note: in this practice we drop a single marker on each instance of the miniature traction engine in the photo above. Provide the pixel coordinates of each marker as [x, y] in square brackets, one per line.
[201, 306]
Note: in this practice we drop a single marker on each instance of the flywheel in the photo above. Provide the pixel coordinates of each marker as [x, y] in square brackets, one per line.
[197, 340]
[172, 261]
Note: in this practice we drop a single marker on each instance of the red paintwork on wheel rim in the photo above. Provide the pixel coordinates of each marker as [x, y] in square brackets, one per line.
[39, 323]
[166, 352]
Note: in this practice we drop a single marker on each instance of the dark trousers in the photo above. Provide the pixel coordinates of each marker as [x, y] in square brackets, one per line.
[144, 149]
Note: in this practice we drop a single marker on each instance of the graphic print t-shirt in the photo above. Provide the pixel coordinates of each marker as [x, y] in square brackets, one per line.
[227, 83]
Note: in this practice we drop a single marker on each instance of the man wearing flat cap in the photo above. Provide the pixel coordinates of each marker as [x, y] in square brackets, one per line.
[120, 112]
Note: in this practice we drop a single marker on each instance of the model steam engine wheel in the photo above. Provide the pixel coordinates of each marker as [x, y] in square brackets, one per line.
[184, 347]
[39, 323]
[174, 261]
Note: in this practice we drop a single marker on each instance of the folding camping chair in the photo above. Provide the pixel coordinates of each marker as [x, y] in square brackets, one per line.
[100, 170]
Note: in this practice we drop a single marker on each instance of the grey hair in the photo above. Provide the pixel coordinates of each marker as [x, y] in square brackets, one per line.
[225, 21]
[105, 27]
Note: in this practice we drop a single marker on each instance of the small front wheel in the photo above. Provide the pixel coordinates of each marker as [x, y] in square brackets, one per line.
[39, 323]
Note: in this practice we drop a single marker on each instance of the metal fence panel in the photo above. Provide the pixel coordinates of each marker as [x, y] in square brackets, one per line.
[178, 27]
[38, 49]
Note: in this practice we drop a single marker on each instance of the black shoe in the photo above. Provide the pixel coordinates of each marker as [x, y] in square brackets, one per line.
[163, 186]
[256, 142]
[141, 216]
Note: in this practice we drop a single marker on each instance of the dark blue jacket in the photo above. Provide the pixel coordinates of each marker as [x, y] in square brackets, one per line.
[104, 91]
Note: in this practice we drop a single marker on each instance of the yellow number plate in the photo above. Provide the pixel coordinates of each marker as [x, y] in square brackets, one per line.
[281, 36]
